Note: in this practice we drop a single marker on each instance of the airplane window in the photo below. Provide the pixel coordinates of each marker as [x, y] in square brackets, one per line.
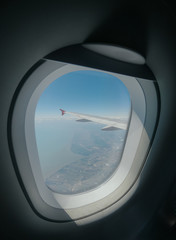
[80, 137]
[80, 146]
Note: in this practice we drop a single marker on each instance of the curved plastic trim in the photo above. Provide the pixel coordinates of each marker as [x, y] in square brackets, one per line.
[58, 206]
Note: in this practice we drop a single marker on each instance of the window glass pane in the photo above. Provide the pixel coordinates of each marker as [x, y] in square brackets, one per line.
[81, 122]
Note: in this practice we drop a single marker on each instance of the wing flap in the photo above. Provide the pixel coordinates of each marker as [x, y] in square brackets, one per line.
[83, 120]
[110, 128]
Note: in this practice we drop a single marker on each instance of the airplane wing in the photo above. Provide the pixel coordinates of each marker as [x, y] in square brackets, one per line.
[110, 124]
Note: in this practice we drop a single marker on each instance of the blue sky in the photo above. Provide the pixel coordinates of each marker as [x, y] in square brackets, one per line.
[85, 91]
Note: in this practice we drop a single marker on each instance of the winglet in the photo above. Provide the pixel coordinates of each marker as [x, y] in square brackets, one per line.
[63, 111]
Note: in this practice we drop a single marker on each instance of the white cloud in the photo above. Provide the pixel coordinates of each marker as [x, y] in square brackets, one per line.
[51, 118]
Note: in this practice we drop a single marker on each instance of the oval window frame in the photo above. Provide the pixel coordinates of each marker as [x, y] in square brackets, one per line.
[66, 208]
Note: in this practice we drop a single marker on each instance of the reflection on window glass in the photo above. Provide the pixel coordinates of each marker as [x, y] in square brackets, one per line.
[81, 121]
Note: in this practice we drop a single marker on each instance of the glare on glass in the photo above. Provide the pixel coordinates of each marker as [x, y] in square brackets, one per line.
[81, 122]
